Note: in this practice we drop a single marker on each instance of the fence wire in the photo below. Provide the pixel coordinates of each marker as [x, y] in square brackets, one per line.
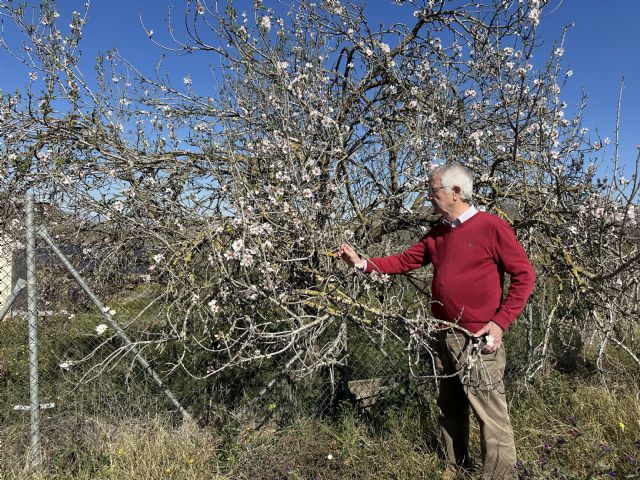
[88, 374]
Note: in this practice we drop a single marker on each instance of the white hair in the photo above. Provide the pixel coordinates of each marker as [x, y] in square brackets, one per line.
[455, 175]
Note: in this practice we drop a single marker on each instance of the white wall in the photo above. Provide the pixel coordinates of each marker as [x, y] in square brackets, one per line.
[6, 268]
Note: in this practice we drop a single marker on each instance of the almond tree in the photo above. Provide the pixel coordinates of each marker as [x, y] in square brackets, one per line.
[325, 128]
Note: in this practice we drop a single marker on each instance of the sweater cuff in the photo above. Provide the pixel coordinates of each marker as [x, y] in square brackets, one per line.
[502, 321]
[361, 266]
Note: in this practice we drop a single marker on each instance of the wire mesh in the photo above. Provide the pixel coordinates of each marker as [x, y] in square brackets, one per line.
[88, 373]
[14, 351]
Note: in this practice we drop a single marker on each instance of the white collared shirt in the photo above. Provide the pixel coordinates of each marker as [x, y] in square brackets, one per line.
[466, 215]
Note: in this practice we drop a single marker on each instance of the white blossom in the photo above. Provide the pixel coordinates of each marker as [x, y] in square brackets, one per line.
[67, 364]
[237, 245]
[266, 23]
[476, 137]
[213, 306]
[246, 260]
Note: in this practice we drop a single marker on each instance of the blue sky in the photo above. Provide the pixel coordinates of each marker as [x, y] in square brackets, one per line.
[601, 48]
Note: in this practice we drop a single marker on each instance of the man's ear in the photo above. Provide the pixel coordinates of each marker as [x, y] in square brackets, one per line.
[456, 190]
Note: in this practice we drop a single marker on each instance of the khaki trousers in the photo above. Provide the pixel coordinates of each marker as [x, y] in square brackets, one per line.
[473, 382]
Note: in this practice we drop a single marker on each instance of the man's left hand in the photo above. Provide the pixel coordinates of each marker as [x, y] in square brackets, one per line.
[493, 330]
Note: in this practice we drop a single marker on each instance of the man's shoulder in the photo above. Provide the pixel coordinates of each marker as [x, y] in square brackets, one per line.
[491, 219]
[490, 224]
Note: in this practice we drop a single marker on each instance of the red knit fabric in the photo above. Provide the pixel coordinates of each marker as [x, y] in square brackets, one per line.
[469, 263]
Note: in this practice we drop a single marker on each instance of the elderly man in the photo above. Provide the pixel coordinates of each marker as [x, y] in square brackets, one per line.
[470, 251]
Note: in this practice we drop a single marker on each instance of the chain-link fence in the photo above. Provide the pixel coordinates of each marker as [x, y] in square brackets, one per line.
[101, 359]
[88, 365]
[101, 354]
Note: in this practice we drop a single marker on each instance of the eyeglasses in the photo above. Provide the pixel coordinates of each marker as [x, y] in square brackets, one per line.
[433, 191]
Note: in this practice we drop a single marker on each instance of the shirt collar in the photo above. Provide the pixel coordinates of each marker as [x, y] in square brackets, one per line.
[466, 215]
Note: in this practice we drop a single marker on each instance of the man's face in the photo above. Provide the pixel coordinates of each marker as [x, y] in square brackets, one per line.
[441, 199]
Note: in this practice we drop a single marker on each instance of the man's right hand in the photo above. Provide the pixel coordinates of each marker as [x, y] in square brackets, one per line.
[349, 255]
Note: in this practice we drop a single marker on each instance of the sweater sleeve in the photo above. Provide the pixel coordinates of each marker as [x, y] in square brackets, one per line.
[414, 257]
[514, 261]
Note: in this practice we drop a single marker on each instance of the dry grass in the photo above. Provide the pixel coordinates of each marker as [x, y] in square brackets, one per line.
[97, 449]
[565, 428]
[348, 448]
[568, 428]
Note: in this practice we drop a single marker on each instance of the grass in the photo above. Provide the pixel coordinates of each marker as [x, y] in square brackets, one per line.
[565, 428]
[567, 425]
[568, 428]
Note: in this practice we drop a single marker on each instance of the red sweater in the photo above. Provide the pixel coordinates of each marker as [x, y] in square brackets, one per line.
[469, 263]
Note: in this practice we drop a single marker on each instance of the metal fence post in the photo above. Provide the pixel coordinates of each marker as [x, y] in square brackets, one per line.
[32, 317]
[20, 284]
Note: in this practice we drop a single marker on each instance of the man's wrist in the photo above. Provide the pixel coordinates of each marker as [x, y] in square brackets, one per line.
[361, 265]
[498, 325]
